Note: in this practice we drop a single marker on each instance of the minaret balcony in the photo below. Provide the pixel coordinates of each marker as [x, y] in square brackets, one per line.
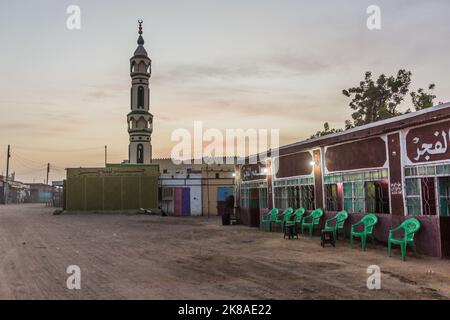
[141, 130]
[140, 74]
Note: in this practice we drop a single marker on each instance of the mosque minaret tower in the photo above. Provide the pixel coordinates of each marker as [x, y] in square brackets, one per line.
[140, 120]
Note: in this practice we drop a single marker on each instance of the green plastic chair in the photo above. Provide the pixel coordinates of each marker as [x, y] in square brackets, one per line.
[277, 219]
[312, 220]
[337, 223]
[369, 221]
[287, 216]
[266, 219]
[299, 213]
[410, 227]
[280, 218]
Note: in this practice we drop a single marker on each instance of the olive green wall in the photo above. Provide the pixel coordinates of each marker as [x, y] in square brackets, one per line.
[116, 187]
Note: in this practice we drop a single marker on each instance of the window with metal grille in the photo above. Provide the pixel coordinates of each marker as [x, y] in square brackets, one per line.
[331, 197]
[444, 196]
[421, 196]
[277, 196]
[377, 196]
[167, 193]
[428, 196]
[354, 197]
[285, 197]
[244, 198]
[413, 198]
[307, 197]
[263, 198]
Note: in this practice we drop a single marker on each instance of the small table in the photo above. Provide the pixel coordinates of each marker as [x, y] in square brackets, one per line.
[327, 236]
[290, 231]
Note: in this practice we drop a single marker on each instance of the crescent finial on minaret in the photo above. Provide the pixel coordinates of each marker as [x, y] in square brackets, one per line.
[140, 39]
[140, 25]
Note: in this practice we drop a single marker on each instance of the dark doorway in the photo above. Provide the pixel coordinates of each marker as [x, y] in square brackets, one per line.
[253, 220]
[444, 212]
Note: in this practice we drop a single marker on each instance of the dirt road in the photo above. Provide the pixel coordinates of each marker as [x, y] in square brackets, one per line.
[149, 257]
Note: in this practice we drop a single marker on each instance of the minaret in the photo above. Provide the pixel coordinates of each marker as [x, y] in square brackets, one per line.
[140, 120]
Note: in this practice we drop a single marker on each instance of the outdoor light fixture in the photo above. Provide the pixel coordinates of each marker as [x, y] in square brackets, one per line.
[312, 163]
[265, 170]
[234, 174]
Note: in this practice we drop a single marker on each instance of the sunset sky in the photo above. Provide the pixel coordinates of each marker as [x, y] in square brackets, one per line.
[64, 94]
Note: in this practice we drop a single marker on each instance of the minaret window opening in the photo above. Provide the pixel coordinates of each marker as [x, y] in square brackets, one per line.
[140, 124]
[141, 67]
[140, 97]
[140, 153]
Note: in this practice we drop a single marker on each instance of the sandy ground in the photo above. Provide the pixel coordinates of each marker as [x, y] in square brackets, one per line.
[151, 257]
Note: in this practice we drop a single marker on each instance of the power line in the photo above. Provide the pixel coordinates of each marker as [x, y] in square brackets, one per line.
[22, 173]
[58, 150]
[26, 164]
[25, 158]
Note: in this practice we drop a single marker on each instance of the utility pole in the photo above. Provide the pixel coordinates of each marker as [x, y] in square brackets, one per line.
[6, 187]
[106, 155]
[207, 185]
[48, 172]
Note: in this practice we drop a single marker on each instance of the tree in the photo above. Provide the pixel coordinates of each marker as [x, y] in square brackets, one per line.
[326, 130]
[377, 100]
[421, 99]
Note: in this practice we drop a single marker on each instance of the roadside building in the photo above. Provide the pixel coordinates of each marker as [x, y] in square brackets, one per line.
[181, 193]
[17, 192]
[115, 187]
[397, 168]
[216, 182]
[40, 193]
[58, 194]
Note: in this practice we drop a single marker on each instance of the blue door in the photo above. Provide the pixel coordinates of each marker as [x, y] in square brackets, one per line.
[224, 192]
[186, 202]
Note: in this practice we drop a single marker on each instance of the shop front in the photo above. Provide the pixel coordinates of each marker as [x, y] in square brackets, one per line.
[427, 179]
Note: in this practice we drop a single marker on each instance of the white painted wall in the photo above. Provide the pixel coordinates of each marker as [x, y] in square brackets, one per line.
[193, 183]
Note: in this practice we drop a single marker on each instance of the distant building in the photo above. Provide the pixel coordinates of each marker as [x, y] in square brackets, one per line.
[17, 191]
[181, 193]
[40, 193]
